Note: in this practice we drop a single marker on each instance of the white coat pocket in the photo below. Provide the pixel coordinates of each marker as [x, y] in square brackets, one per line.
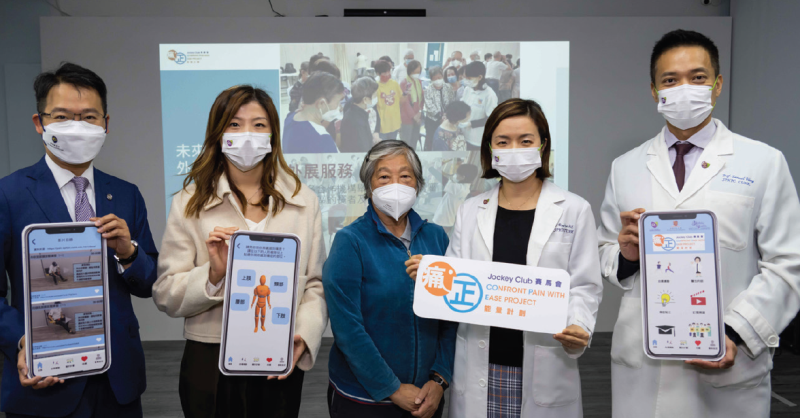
[556, 381]
[734, 217]
[627, 340]
[555, 255]
[746, 373]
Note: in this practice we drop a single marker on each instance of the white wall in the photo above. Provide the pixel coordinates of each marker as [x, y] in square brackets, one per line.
[602, 126]
[437, 8]
[764, 81]
[20, 46]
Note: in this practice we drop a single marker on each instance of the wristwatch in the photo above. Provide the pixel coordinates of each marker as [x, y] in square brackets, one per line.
[129, 260]
[439, 381]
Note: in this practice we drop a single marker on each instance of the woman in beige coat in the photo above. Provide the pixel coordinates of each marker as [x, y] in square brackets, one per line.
[240, 181]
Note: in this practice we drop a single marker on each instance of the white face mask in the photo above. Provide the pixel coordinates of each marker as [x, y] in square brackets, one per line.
[373, 103]
[415, 76]
[438, 83]
[516, 164]
[465, 125]
[332, 114]
[471, 83]
[245, 150]
[74, 142]
[394, 199]
[686, 106]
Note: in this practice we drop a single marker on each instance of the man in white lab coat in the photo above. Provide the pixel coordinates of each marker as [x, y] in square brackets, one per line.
[695, 162]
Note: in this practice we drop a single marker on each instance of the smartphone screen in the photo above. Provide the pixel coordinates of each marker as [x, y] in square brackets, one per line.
[260, 303]
[67, 314]
[681, 289]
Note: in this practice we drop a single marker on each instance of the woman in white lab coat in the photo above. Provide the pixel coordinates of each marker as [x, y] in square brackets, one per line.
[524, 219]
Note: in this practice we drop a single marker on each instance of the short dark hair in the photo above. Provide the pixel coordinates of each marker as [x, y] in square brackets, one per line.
[321, 85]
[509, 109]
[387, 59]
[382, 66]
[328, 67]
[476, 69]
[312, 62]
[72, 74]
[304, 66]
[679, 38]
[487, 55]
[412, 66]
[456, 111]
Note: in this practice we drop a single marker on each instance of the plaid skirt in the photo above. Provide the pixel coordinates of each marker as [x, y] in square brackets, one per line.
[505, 392]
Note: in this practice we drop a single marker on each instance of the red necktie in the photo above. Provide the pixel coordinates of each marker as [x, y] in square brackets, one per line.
[679, 168]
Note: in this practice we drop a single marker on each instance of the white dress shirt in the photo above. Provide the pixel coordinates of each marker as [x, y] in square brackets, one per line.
[69, 193]
[67, 187]
[400, 73]
[700, 140]
[494, 69]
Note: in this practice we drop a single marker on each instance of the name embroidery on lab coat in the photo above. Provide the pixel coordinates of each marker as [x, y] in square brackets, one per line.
[565, 229]
[730, 178]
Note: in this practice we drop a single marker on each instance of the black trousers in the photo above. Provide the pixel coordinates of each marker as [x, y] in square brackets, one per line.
[206, 392]
[63, 324]
[341, 407]
[57, 276]
[98, 401]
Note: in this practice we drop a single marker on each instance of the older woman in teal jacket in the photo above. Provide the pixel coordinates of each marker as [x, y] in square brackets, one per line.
[385, 361]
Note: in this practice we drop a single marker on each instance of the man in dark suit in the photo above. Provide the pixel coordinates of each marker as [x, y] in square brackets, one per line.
[64, 186]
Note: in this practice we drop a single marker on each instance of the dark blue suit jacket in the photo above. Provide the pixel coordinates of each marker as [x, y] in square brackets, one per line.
[30, 196]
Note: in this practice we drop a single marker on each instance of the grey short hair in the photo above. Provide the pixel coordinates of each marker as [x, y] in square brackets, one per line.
[434, 71]
[389, 148]
[363, 87]
[409, 52]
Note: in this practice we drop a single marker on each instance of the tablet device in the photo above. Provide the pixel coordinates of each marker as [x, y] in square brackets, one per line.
[259, 304]
[681, 291]
[66, 300]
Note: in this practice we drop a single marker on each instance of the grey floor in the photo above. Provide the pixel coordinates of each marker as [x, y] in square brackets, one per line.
[163, 362]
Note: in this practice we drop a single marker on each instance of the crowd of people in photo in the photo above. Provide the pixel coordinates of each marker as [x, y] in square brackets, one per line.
[423, 107]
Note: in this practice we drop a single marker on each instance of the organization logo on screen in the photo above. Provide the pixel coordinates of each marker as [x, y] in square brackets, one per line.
[178, 57]
[461, 292]
[663, 243]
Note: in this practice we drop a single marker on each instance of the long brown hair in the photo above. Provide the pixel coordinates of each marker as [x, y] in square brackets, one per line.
[212, 163]
[509, 109]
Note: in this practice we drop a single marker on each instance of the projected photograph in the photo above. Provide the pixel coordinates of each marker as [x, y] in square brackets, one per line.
[336, 100]
[404, 91]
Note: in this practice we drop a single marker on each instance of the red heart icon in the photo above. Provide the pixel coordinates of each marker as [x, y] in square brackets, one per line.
[84, 358]
[697, 342]
[269, 359]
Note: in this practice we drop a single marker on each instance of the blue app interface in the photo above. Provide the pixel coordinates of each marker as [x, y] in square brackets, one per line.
[260, 305]
[682, 311]
[67, 317]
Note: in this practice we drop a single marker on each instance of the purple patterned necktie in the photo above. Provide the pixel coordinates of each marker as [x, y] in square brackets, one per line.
[679, 168]
[83, 210]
